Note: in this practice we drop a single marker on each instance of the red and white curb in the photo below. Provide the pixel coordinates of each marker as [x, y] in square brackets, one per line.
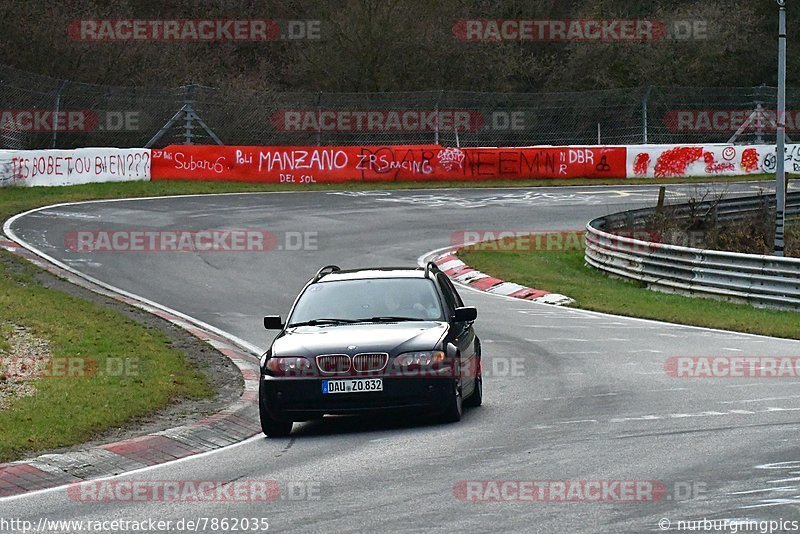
[462, 273]
[236, 423]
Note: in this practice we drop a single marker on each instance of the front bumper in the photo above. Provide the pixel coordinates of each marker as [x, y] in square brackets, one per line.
[302, 398]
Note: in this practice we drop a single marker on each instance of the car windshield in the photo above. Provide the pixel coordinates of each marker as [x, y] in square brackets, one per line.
[384, 299]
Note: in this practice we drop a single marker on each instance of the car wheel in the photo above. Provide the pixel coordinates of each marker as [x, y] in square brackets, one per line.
[476, 399]
[271, 426]
[455, 406]
[274, 428]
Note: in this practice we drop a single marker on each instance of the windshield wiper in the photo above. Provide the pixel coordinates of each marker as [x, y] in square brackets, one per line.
[388, 319]
[324, 321]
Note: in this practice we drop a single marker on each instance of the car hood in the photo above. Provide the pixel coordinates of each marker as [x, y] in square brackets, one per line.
[393, 338]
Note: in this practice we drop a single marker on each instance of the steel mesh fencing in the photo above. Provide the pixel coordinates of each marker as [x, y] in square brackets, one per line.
[716, 114]
[41, 112]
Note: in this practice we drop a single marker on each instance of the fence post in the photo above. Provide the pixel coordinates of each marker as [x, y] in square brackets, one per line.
[57, 108]
[436, 111]
[644, 113]
[319, 118]
[188, 117]
[759, 123]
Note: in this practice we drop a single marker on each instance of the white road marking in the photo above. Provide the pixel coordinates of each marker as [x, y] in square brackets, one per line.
[745, 401]
[763, 490]
[772, 502]
[783, 480]
[749, 385]
[580, 421]
[134, 471]
[573, 397]
[562, 326]
[552, 340]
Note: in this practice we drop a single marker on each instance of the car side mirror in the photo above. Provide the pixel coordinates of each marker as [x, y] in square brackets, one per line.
[273, 322]
[467, 314]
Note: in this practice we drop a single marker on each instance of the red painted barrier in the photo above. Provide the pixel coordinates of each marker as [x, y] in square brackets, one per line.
[284, 164]
[544, 162]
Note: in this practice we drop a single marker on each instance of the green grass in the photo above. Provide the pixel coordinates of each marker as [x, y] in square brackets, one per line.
[67, 409]
[5, 335]
[566, 273]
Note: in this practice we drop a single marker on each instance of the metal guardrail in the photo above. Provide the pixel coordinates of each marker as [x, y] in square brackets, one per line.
[764, 281]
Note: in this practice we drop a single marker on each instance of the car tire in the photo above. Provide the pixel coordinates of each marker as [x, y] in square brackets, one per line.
[272, 427]
[455, 406]
[476, 399]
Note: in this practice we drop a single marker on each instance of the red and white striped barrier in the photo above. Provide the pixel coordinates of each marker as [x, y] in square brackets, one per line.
[457, 270]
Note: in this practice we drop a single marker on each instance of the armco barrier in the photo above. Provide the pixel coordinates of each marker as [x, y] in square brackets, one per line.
[72, 167]
[384, 163]
[767, 281]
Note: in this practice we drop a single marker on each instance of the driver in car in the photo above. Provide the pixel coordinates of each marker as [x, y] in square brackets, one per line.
[416, 306]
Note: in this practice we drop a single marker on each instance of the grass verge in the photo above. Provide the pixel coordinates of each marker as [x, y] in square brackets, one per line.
[73, 406]
[565, 272]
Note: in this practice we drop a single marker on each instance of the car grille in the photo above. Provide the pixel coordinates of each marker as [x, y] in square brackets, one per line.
[370, 361]
[333, 364]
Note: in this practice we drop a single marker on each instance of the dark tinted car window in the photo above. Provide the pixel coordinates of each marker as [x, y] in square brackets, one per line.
[447, 291]
[456, 296]
[361, 299]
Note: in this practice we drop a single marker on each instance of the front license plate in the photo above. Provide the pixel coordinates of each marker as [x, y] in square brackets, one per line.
[361, 385]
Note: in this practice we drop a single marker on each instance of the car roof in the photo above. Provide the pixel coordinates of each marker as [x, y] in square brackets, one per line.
[372, 273]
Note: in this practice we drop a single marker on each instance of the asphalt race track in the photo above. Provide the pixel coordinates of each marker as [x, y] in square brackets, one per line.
[588, 399]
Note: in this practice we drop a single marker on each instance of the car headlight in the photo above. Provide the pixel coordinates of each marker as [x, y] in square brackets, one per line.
[419, 359]
[290, 366]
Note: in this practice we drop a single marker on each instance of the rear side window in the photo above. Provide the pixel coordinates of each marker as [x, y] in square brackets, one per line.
[455, 294]
[450, 296]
